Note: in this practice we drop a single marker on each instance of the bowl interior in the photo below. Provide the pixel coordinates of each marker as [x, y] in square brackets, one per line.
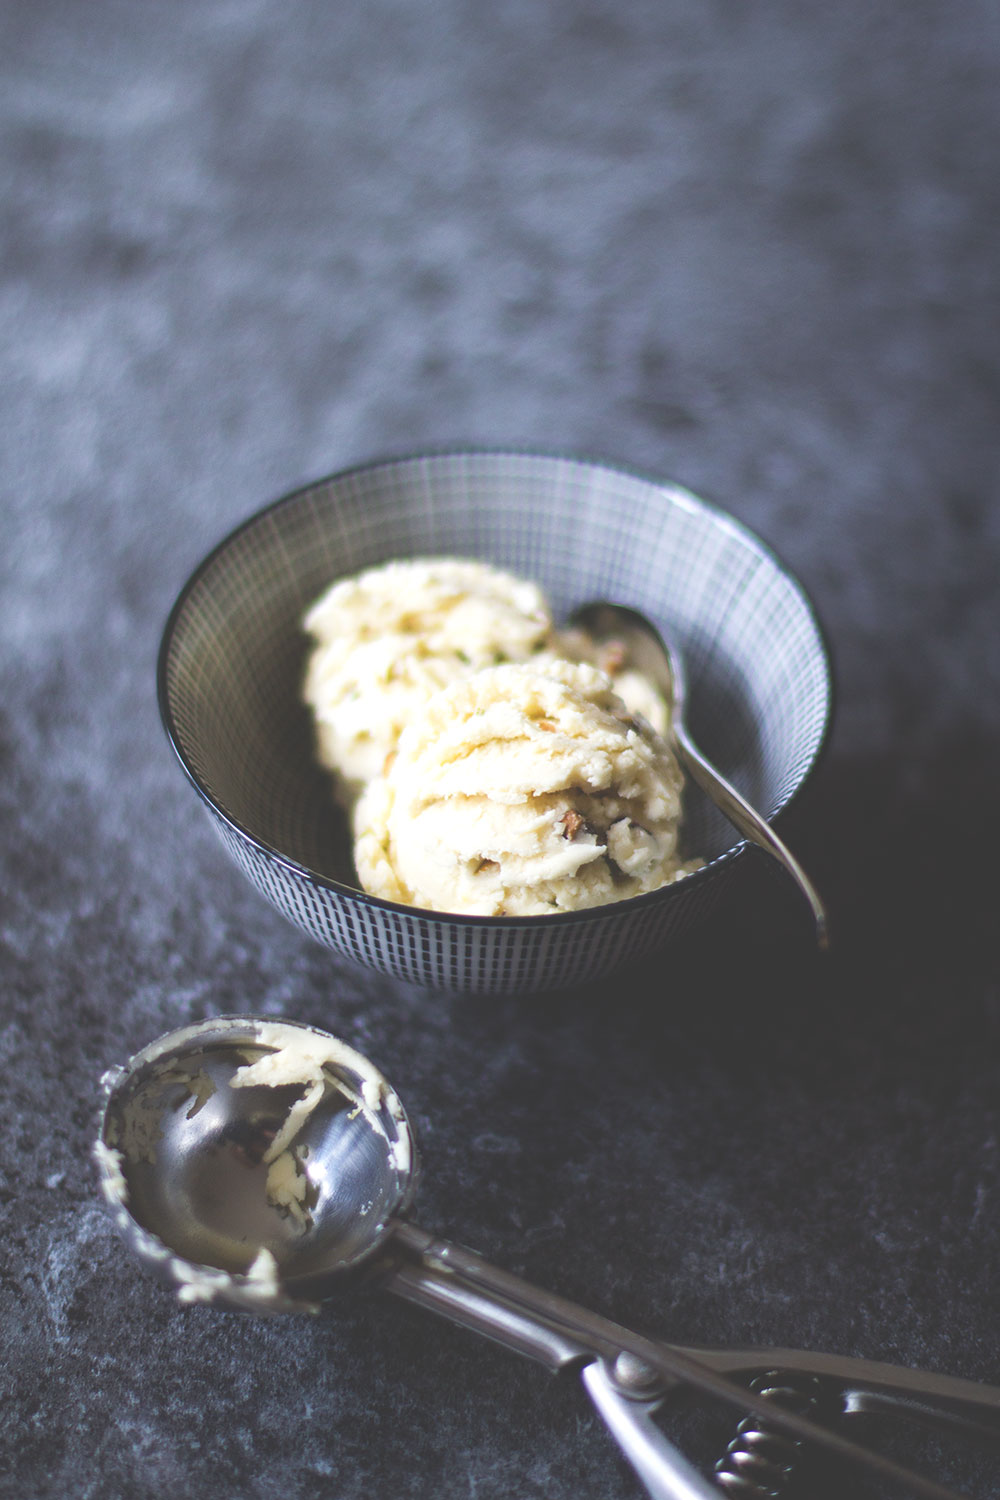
[234, 651]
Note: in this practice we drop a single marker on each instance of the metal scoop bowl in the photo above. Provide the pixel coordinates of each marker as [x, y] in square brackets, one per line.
[266, 1165]
[216, 1168]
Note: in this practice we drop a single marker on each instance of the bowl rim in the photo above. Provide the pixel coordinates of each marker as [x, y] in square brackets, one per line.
[340, 888]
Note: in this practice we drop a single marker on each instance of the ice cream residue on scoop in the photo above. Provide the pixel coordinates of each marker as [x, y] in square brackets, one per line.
[300, 1057]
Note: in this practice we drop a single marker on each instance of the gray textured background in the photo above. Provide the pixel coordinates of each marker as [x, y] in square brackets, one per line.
[244, 243]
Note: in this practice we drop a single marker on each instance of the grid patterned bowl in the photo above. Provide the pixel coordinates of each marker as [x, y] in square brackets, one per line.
[233, 654]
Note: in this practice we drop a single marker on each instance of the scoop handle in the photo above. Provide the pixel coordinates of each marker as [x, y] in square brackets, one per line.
[663, 1469]
[867, 1385]
[435, 1282]
[470, 1291]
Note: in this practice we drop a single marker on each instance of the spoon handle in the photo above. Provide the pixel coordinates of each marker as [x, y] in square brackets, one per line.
[468, 1290]
[662, 661]
[750, 824]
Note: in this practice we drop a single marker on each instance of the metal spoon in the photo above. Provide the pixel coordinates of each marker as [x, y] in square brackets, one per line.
[266, 1165]
[661, 661]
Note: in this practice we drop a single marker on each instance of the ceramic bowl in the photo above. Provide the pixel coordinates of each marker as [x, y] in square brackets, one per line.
[233, 653]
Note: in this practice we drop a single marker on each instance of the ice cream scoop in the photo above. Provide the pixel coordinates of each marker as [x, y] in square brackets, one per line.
[523, 790]
[266, 1165]
[386, 639]
[662, 662]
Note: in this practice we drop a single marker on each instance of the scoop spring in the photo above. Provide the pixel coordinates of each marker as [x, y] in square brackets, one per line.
[759, 1462]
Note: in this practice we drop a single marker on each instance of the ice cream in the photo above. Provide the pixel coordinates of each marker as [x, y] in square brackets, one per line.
[493, 763]
[522, 790]
[390, 637]
[315, 1061]
[639, 695]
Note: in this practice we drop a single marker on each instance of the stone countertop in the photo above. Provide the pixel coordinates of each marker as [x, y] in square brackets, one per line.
[245, 243]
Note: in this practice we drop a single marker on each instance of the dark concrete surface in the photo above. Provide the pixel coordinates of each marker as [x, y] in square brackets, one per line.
[755, 247]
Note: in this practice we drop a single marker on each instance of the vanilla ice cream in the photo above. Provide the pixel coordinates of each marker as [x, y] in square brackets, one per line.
[522, 790]
[390, 637]
[633, 687]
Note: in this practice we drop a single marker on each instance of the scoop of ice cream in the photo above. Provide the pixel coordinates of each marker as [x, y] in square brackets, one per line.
[390, 637]
[522, 791]
[633, 687]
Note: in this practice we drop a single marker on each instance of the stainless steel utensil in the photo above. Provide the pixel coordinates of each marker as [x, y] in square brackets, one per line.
[662, 661]
[266, 1165]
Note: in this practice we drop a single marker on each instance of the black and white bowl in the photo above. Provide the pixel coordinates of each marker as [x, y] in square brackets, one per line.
[233, 654]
